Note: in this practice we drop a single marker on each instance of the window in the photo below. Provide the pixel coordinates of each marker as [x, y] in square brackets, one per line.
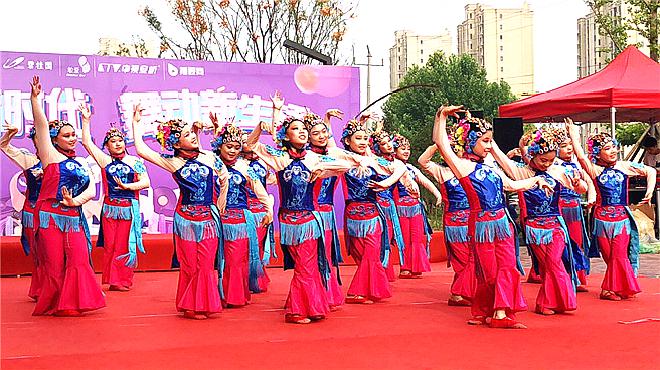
[500, 37]
[501, 48]
[501, 69]
[470, 25]
[501, 58]
[500, 27]
[421, 42]
[398, 49]
[500, 16]
[421, 51]
[421, 61]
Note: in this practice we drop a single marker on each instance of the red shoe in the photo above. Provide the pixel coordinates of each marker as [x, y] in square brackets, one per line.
[68, 313]
[406, 275]
[506, 323]
[296, 319]
[544, 311]
[477, 320]
[317, 317]
[461, 302]
[581, 289]
[609, 296]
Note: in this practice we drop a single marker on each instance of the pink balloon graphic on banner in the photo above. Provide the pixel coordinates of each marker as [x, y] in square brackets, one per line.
[328, 82]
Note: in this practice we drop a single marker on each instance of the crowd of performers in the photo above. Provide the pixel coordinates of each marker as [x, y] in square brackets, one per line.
[223, 230]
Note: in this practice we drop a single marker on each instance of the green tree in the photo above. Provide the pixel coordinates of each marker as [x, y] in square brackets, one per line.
[457, 79]
[628, 134]
[250, 30]
[642, 18]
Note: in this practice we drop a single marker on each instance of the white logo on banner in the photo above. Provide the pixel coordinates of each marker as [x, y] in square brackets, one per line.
[81, 69]
[142, 69]
[17, 63]
[174, 71]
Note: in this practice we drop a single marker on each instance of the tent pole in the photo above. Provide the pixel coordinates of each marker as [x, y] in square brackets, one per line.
[613, 117]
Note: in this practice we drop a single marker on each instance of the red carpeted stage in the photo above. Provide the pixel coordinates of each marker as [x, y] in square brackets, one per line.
[413, 330]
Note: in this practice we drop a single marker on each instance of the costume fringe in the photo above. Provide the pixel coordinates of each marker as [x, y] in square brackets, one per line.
[488, 231]
[610, 229]
[116, 212]
[409, 211]
[538, 236]
[27, 219]
[572, 214]
[297, 234]
[456, 234]
[63, 223]
[194, 230]
[361, 228]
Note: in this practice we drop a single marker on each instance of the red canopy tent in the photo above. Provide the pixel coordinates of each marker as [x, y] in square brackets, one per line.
[628, 87]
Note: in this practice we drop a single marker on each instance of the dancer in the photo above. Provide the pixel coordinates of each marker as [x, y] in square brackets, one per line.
[545, 230]
[324, 189]
[414, 223]
[460, 256]
[614, 230]
[492, 233]
[123, 176]
[366, 231]
[381, 145]
[197, 225]
[243, 265]
[265, 232]
[69, 286]
[301, 232]
[571, 209]
[31, 166]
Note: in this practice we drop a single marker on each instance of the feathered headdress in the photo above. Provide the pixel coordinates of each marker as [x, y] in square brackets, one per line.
[169, 133]
[312, 119]
[596, 142]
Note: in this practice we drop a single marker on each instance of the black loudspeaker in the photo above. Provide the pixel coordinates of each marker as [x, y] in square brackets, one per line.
[507, 132]
[473, 113]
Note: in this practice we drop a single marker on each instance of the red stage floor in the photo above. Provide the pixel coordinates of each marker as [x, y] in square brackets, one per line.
[413, 330]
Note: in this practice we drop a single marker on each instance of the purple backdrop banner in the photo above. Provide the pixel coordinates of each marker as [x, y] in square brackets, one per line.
[166, 89]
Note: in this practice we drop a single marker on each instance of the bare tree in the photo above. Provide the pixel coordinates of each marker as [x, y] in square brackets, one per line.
[251, 31]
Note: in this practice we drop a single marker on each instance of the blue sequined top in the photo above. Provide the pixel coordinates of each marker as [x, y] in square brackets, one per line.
[357, 189]
[538, 204]
[574, 171]
[125, 173]
[261, 173]
[237, 191]
[326, 190]
[488, 187]
[455, 198]
[33, 183]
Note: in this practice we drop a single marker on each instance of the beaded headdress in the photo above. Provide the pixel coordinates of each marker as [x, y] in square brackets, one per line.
[281, 131]
[169, 133]
[312, 119]
[376, 138]
[352, 127]
[596, 142]
[113, 132]
[399, 140]
[469, 130]
[229, 133]
[543, 141]
[55, 126]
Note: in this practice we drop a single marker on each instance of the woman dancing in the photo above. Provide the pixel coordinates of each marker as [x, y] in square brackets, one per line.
[197, 225]
[614, 226]
[412, 216]
[31, 166]
[243, 265]
[499, 293]
[545, 230]
[121, 224]
[69, 286]
[460, 255]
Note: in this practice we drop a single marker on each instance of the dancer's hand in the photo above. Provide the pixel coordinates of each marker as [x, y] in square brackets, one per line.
[35, 87]
[278, 100]
[376, 186]
[334, 113]
[37, 172]
[315, 175]
[448, 111]
[120, 184]
[545, 186]
[438, 202]
[266, 220]
[513, 153]
[214, 120]
[645, 200]
[10, 132]
[85, 112]
[67, 198]
[137, 112]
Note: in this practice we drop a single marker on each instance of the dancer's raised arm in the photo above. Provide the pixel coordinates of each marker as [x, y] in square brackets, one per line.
[573, 133]
[441, 139]
[47, 152]
[99, 156]
[23, 158]
[142, 149]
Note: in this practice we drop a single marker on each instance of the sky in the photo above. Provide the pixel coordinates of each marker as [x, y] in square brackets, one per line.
[75, 26]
